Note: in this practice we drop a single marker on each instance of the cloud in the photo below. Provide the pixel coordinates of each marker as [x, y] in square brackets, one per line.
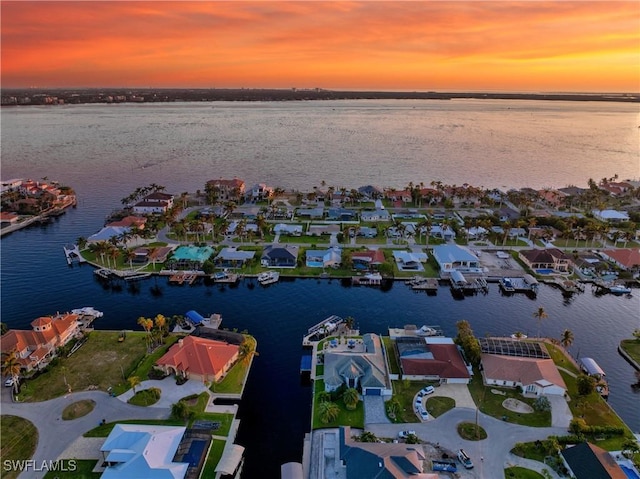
[353, 44]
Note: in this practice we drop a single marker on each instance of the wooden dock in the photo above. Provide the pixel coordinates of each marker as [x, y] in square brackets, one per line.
[428, 284]
[182, 278]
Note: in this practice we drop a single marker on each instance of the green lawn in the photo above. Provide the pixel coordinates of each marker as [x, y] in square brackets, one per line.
[75, 469]
[491, 404]
[78, 409]
[101, 362]
[521, 473]
[145, 397]
[632, 348]
[389, 346]
[19, 441]
[437, 406]
[404, 392]
[353, 418]
[471, 431]
[592, 408]
[215, 453]
[233, 382]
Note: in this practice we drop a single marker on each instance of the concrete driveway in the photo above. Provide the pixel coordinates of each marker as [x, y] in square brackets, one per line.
[55, 435]
[501, 436]
[458, 392]
[171, 393]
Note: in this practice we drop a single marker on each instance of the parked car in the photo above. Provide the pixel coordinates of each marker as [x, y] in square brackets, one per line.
[9, 382]
[405, 434]
[423, 414]
[429, 390]
[465, 459]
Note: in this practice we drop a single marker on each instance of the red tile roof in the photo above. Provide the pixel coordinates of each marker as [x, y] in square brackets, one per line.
[446, 363]
[373, 256]
[626, 256]
[201, 356]
[520, 370]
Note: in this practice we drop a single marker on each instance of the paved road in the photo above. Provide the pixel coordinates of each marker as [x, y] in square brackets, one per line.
[501, 437]
[55, 435]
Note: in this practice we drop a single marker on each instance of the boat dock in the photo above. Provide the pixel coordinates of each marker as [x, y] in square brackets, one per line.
[103, 273]
[526, 284]
[369, 279]
[225, 277]
[322, 330]
[72, 253]
[183, 277]
[423, 284]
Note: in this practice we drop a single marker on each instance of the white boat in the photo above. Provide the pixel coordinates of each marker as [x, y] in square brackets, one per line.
[619, 289]
[427, 331]
[268, 277]
[88, 311]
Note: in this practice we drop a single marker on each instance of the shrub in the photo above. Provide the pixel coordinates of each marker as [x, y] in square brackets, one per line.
[542, 404]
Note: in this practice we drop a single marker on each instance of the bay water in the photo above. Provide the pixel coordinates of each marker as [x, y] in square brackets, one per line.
[105, 151]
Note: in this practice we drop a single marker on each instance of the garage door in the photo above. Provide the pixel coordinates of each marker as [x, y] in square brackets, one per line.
[374, 392]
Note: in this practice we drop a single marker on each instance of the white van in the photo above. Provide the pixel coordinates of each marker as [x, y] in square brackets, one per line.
[465, 459]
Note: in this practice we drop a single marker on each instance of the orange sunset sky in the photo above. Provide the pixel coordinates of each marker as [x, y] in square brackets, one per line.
[565, 46]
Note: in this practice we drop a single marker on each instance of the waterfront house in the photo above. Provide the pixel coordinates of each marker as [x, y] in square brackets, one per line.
[588, 461]
[378, 460]
[138, 451]
[370, 192]
[36, 347]
[363, 368]
[318, 230]
[409, 261]
[288, 229]
[199, 358]
[108, 232]
[259, 192]
[431, 359]
[507, 214]
[324, 258]
[546, 259]
[231, 257]
[538, 376]
[375, 215]
[367, 260]
[137, 222]
[399, 195]
[627, 259]
[157, 202]
[442, 232]
[611, 216]
[228, 190]
[311, 213]
[452, 257]
[8, 218]
[275, 256]
[341, 214]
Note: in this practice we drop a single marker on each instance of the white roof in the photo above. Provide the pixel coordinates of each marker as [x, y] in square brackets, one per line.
[230, 459]
[143, 451]
[611, 214]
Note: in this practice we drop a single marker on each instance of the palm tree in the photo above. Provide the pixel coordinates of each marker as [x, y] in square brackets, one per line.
[351, 398]
[247, 351]
[11, 367]
[147, 325]
[130, 255]
[540, 314]
[328, 411]
[349, 321]
[133, 382]
[567, 338]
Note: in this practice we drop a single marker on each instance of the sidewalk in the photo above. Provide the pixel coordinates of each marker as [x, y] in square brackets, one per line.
[513, 460]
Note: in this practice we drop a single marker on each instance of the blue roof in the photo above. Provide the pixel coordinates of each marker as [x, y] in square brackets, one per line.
[194, 317]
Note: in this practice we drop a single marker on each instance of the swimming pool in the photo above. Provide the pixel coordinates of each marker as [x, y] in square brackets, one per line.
[630, 473]
[193, 253]
[545, 271]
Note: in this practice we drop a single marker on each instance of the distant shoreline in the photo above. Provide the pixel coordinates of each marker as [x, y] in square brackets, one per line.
[64, 96]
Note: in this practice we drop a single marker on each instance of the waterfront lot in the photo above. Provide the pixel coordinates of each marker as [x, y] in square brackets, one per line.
[102, 362]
